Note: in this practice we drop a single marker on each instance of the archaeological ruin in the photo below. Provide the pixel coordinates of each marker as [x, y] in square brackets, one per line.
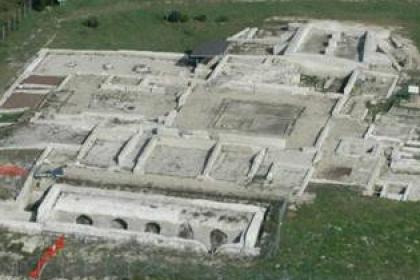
[190, 155]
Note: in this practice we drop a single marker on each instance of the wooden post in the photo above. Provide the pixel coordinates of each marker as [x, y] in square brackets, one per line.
[13, 21]
[17, 18]
[19, 12]
[3, 31]
[9, 25]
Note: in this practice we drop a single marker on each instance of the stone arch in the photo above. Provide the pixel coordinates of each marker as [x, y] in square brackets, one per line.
[217, 238]
[119, 224]
[153, 228]
[84, 220]
[186, 231]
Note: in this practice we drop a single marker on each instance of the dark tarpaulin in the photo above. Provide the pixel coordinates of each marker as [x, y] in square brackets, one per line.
[210, 49]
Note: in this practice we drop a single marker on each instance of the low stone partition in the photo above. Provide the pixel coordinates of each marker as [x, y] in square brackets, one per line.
[298, 39]
[244, 35]
[347, 90]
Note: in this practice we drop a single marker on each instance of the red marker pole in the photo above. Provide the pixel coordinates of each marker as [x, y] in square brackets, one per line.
[48, 254]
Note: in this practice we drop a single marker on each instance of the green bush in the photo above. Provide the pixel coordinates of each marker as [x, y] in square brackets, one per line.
[91, 22]
[222, 19]
[201, 18]
[184, 18]
[403, 93]
[175, 16]
[42, 4]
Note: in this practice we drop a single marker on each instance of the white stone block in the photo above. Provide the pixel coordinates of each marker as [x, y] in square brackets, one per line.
[413, 89]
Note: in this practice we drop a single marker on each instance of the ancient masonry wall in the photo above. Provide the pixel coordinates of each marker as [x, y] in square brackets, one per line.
[245, 246]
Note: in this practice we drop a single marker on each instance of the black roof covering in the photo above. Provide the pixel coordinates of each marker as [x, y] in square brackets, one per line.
[212, 48]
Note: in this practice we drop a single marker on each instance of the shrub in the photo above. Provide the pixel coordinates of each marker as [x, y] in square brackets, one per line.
[39, 5]
[173, 16]
[222, 19]
[176, 16]
[201, 18]
[91, 22]
[403, 93]
[184, 18]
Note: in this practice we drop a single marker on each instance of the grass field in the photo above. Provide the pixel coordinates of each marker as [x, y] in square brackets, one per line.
[341, 235]
[139, 25]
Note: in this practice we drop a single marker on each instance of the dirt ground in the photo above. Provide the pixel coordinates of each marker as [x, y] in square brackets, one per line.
[22, 100]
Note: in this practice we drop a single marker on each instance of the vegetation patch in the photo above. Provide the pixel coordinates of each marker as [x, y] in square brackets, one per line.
[91, 22]
[176, 16]
[201, 18]
[385, 105]
[10, 117]
[221, 19]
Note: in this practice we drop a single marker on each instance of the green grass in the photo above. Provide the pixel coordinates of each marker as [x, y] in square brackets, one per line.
[139, 24]
[10, 117]
[345, 236]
